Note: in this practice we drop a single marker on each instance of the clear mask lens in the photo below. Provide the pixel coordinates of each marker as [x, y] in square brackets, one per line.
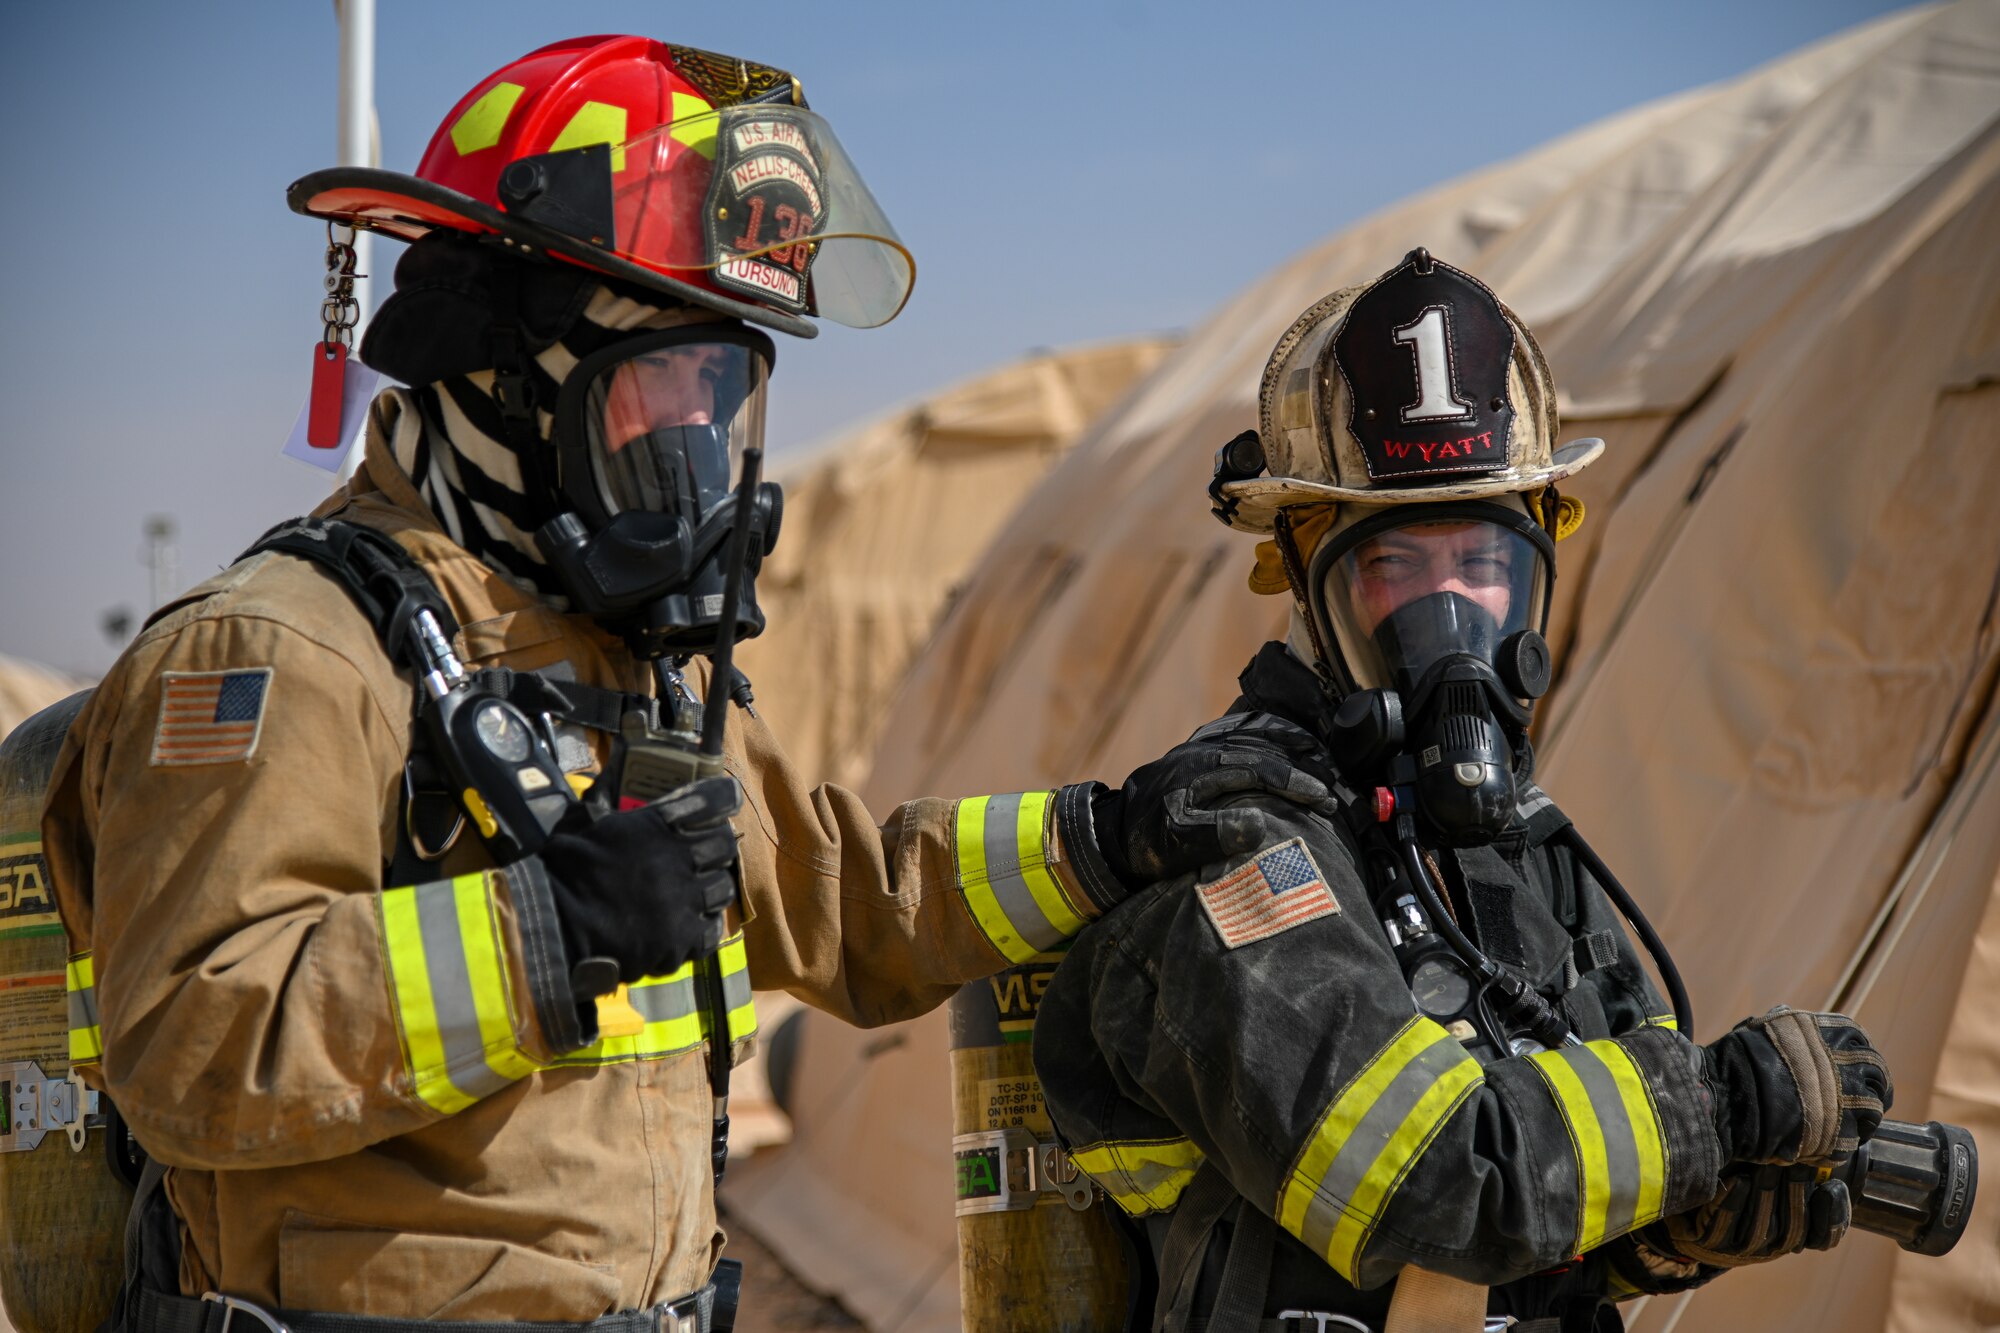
[667, 425]
[1400, 598]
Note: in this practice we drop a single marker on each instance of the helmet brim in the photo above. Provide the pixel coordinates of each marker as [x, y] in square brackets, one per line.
[1258, 500]
[407, 207]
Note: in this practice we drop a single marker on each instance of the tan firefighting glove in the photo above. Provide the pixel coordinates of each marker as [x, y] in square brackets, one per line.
[1762, 1213]
[1792, 1086]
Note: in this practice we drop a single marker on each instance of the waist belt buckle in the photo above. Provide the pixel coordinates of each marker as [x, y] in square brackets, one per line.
[1323, 1320]
[683, 1315]
[231, 1304]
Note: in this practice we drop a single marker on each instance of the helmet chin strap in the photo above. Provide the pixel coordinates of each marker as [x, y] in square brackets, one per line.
[1295, 574]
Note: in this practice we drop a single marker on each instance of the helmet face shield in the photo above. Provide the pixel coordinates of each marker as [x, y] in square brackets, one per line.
[1405, 588]
[762, 200]
[659, 422]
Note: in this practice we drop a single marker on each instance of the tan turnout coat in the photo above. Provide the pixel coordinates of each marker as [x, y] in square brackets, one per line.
[266, 1035]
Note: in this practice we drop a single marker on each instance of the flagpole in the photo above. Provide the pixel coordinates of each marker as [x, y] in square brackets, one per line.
[358, 142]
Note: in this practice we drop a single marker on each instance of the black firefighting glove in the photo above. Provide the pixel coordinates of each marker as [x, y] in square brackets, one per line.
[1762, 1213]
[1792, 1086]
[1178, 814]
[647, 888]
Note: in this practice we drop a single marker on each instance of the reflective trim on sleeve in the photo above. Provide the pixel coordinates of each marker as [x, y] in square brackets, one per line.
[1003, 871]
[1141, 1175]
[1371, 1135]
[1669, 1021]
[86, 1036]
[448, 972]
[1620, 1150]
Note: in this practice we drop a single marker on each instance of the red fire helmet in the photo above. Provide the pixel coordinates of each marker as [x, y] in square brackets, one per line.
[697, 175]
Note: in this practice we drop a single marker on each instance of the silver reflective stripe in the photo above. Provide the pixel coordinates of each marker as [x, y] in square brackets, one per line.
[1001, 840]
[657, 1002]
[1372, 1135]
[735, 989]
[83, 1008]
[1621, 1148]
[451, 993]
[1533, 801]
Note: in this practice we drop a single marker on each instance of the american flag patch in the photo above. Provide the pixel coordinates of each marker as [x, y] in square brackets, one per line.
[1279, 888]
[210, 717]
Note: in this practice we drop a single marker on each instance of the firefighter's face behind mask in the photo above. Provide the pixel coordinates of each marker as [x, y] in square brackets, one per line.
[649, 434]
[667, 425]
[1443, 607]
[1404, 596]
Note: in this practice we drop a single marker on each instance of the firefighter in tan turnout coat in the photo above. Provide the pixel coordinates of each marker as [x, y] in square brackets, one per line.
[365, 1053]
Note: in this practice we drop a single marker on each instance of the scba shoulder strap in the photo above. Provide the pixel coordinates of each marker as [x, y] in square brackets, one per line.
[382, 578]
[389, 587]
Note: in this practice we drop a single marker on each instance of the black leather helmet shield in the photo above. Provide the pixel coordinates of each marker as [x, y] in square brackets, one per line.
[1424, 353]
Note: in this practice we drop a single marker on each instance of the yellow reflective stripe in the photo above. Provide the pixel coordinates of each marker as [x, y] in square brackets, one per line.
[1003, 871]
[479, 932]
[1644, 1118]
[449, 976]
[1620, 1147]
[674, 1022]
[1141, 1176]
[735, 960]
[1668, 1021]
[970, 835]
[86, 1037]
[480, 125]
[1587, 1135]
[1386, 1172]
[694, 124]
[1343, 1116]
[1031, 844]
[1366, 1142]
[594, 123]
[410, 980]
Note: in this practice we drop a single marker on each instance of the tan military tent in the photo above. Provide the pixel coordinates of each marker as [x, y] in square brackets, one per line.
[1778, 299]
[26, 688]
[882, 524]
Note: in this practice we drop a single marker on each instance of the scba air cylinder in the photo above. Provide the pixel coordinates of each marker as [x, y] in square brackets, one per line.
[1035, 1247]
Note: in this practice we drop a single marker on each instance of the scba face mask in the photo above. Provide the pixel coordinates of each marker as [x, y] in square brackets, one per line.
[648, 432]
[1435, 615]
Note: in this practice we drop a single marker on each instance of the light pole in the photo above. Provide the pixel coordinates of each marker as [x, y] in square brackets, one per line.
[359, 141]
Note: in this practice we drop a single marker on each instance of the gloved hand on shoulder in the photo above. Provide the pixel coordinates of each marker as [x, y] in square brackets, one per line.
[1177, 814]
[647, 888]
[1791, 1086]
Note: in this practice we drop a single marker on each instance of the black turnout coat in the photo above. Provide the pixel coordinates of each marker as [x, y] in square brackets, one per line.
[1253, 1021]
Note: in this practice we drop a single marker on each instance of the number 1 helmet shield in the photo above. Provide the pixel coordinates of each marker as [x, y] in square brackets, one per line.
[698, 175]
[1418, 387]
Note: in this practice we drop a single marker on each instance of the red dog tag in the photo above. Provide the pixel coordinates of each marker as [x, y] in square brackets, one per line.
[329, 378]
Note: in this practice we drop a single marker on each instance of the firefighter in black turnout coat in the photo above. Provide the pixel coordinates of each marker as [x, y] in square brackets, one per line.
[1392, 1062]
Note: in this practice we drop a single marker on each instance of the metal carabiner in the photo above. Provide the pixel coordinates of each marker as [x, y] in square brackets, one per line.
[231, 1304]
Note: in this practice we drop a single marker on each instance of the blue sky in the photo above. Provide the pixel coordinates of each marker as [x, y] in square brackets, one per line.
[1063, 173]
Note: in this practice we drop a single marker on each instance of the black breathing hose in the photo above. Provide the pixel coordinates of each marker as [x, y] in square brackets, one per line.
[1441, 918]
[1676, 992]
[1523, 1001]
